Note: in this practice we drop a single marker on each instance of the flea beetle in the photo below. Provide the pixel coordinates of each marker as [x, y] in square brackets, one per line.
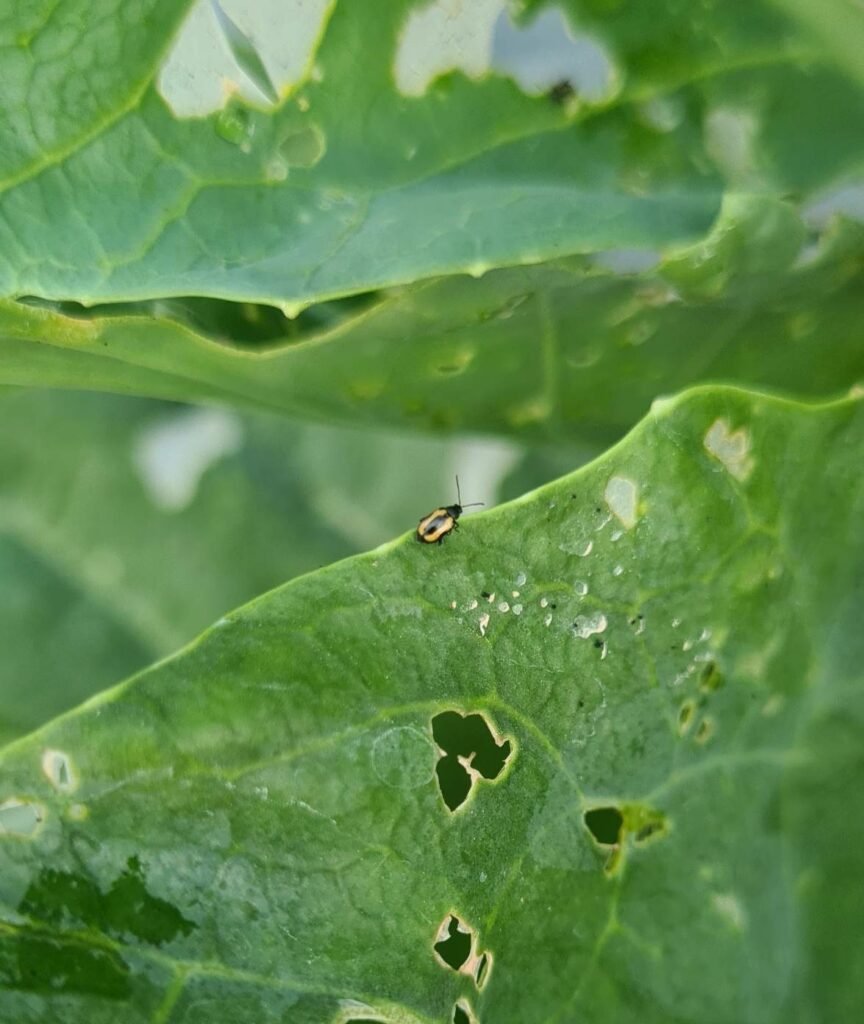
[442, 521]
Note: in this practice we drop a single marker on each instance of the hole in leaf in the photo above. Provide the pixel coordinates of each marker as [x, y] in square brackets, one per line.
[455, 948]
[685, 716]
[454, 781]
[482, 971]
[710, 678]
[57, 767]
[604, 824]
[462, 1014]
[470, 749]
[244, 52]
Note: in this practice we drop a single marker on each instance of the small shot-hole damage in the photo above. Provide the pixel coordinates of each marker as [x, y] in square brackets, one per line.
[710, 678]
[470, 752]
[605, 825]
[481, 972]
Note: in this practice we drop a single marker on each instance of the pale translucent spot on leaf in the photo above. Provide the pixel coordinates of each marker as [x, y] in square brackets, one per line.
[503, 606]
[581, 548]
[732, 448]
[514, 593]
[299, 149]
[404, 758]
[729, 907]
[621, 495]
[472, 605]
[730, 141]
[78, 812]
[588, 625]
[256, 50]
[235, 125]
[445, 35]
[450, 361]
[618, 570]
[544, 601]
[547, 55]
[59, 771]
[532, 410]
[521, 579]
[627, 261]
[773, 705]
[483, 622]
[663, 113]
[173, 454]
[547, 621]
[20, 817]
[580, 587]
[517, 609]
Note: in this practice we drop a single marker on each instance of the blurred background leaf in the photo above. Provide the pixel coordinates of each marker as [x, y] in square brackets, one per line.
[127, 526]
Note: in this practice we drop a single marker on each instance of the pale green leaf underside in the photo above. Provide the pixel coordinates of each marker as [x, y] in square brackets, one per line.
[253, 829]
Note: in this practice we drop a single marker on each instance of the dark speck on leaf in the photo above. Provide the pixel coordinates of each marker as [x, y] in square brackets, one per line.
[561, 91]
[598, 642]
[486, 594]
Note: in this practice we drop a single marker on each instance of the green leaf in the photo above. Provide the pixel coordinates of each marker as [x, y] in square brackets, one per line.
[70, 71]
[367, 176]
[647, 676]
[564, 350]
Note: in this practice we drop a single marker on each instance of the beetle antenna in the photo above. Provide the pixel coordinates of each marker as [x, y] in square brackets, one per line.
[472, 504]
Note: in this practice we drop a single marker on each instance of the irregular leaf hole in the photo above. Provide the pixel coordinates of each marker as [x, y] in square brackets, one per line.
[58, 769]
[462, 1014]
[470, 749]
[455, 948]
[20, 817]
[685, 716]
[546, 56]
[605, 824]
[453, 781]
[243, 50]
[481, 972]
[710, 678]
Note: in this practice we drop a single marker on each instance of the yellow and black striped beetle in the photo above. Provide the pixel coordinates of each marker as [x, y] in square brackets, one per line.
[434, 527]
